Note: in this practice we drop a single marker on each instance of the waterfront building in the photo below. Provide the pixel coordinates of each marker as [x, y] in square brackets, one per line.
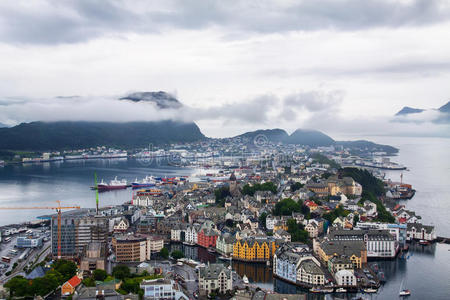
[354, 250]
[224, 243]
[417, 231]
[379, 243]
[162, 289]
[29, 242]
[192, 234]
[253, 249]
[398, 231]
[207, 237]
[214, 277]
[309, 272]
[338, 263]
[345, 278]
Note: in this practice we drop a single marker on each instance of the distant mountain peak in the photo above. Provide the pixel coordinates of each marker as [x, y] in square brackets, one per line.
[409, 110]
[161, 99]
[445, 108]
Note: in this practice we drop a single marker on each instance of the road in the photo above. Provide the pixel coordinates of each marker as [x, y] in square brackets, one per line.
[5, 250]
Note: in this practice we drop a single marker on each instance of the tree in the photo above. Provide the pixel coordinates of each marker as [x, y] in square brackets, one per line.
[121, 272]
[177, 254]
[286, 207]
[296, 186]
[262, 219]
[89, 282]
[221, 194]
[266, 186]
[164, 253]
[130, 286]
[18, 286]
[297, 231]
[100, 275]
[66, 268]
[355, 219]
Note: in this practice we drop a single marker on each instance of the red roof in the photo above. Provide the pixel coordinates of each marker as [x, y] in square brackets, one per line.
[402, 220]
[74, 281]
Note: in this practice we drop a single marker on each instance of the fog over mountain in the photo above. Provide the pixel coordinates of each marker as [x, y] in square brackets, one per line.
[341, 67]
[308, 110]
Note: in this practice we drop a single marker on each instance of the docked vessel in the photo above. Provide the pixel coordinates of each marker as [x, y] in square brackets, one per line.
[341, 290]
[370, 290]
[112, 185]
[148, 181]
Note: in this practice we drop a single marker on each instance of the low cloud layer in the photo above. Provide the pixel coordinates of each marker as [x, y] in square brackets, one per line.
[56, 22]
[317, 109]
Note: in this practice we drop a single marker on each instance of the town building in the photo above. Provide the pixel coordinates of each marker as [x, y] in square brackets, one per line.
[379, 243]
[77, 232]
[207, 237]
[417, 231]
[214, 277]
[162, 289]
[254, 249]
[29, 242]
[354, 250]
[224, 243]
[94, 257]
[68, 287]
[136, 248]
[345, 278]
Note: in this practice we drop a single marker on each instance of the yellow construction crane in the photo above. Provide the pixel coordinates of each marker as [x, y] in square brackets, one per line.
[58, 210]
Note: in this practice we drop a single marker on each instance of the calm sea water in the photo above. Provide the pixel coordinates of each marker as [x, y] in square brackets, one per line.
[426, 273]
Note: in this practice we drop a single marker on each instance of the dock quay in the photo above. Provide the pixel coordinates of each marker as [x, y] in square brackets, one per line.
[443, 240]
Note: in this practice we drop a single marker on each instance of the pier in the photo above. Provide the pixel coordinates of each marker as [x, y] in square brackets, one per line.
[443, 240]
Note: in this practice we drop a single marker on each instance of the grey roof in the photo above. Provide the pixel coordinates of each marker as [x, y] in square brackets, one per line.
[372, 234]
[310, 267]
[418, 226]
[347, 248]
[212, 271]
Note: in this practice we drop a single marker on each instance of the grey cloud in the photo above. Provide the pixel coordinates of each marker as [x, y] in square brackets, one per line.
[77, 21]
[414, 66]
[314, 101]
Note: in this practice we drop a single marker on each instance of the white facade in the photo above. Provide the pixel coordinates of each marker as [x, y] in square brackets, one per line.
[345, 277]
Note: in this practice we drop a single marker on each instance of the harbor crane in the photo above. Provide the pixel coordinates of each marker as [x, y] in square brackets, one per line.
[58, 210]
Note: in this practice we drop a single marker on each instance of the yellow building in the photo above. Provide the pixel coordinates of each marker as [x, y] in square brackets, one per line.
[254, 249]
[354, 250]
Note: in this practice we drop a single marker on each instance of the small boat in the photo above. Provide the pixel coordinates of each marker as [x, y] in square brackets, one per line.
[341, 290]
[321, 290]
[211, 250]
[245, 279]
[424, 242]
[404, 293]
[370, 290]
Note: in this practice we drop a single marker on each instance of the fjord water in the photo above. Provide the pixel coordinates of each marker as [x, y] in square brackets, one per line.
[42, 184]
[426, 273]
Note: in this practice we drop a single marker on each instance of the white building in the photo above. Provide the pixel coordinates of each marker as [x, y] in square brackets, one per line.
[345, 277]
[417, 231]
[160, 289]
[379, 243]
[214, 277]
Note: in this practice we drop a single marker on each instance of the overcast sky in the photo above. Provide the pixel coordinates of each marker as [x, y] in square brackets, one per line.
[341, 66]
